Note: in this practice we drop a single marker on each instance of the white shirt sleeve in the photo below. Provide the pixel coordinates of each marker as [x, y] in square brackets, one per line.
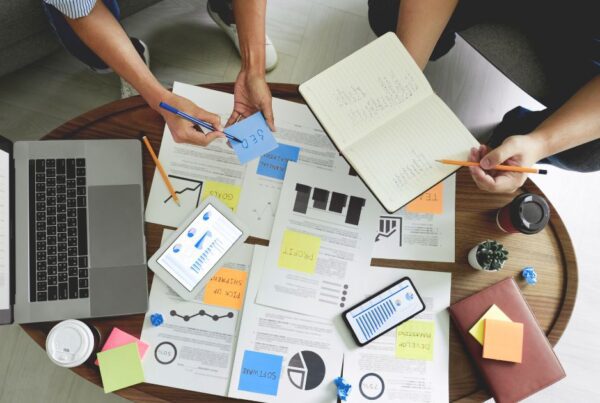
[73, 8]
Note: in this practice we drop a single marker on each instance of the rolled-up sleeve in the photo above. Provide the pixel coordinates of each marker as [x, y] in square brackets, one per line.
[73, 8]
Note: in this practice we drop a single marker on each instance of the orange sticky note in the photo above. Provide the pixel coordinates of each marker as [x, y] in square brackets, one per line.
[430, 202]
[226, 288]
[503, 340]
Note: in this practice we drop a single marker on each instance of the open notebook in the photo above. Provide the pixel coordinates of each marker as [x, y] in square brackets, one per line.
[381, 113]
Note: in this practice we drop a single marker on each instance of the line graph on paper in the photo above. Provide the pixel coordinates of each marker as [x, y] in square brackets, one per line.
[188, 190]
[265, 212]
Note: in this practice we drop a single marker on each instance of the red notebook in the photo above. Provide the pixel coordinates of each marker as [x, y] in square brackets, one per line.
[509, 382]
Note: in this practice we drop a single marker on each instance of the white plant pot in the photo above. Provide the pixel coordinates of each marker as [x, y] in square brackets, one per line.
[473, 259]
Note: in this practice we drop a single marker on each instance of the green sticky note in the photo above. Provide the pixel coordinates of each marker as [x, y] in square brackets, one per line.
[414, 340]
[120, 367]
[299, 251]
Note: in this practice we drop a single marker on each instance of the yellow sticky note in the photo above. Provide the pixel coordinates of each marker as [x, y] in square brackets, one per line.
[414, 340]
[430, 202]
[299, 251]
[225, 192]
[226, 288]
[493, 313]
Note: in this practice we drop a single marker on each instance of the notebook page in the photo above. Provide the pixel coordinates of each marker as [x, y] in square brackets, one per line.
[365, 90]
[397, 160]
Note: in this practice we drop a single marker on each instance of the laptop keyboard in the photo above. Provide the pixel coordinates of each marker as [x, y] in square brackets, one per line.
[58, 230]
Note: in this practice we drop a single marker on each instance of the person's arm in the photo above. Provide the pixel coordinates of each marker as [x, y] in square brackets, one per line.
[576, 122]
[420, 24]
[251, 93]
[103, 34]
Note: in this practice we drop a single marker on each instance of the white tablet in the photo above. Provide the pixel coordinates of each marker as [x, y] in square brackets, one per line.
[187, 260]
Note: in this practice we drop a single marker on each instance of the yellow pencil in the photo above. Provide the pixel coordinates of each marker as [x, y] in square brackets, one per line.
[509, 168]
[161, 170]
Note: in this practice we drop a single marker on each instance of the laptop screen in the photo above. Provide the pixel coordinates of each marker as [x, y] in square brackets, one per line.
[4, 230]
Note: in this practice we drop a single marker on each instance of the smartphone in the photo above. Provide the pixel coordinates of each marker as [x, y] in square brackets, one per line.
[384, 310]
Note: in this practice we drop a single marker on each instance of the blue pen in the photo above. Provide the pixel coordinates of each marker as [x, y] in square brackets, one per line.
[192, 119]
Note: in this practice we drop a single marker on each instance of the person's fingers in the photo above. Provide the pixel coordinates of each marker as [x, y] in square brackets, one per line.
[267, 111]
[482, 179]
[212, 118]
[474, 155]
[233, 118]
[507, 183]
[500, 154]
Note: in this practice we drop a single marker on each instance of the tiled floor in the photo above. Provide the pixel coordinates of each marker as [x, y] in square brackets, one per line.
[310, 35]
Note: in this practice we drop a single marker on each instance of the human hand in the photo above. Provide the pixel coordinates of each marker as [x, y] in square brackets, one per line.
[183, 130]
[518, 150]
[251, 94]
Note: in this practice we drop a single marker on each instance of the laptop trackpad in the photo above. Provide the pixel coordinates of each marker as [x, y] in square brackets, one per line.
[116, 227]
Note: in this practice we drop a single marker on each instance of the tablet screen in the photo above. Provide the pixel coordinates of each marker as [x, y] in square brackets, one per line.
[199, 247]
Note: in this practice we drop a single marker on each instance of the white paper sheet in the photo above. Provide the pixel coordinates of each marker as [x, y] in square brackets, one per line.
[336, 211]
[428, 237]
[374, 369]
[4, 232]
[303, 355]
[301, 137]
[194, 348]
[195, 171]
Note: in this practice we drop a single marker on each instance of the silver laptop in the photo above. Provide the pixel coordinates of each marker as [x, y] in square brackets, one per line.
[71, 230]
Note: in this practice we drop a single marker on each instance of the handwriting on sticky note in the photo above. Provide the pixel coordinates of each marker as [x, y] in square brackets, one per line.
[226, 288]
[120, 367]
[493, 313]
[260, 373]
[430, 202]
[255, 135]
[274, 164]
[225, 192]
[299, 251]
[414, 340]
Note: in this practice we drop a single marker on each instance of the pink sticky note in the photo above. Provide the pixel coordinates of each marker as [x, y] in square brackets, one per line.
[119, 338]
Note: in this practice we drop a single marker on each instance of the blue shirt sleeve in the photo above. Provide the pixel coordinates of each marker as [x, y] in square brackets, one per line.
[73, 8]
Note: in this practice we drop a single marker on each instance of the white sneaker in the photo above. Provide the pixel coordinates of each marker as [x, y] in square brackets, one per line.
[231, 31]
[127, 89]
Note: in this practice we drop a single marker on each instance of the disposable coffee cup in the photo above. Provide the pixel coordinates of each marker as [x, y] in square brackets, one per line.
[71, 343]
[528, 214]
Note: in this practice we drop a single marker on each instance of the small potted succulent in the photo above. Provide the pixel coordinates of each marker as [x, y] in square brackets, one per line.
[488, 256]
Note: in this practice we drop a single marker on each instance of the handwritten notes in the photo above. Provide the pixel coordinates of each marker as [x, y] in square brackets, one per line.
[493, 313]
[299, 251]
[118, 338]
[414, 340]
[430, 202]
[225, 192]
[226, 288]
[257, 138]
[120, 367]
[274, 164]
[260, 373]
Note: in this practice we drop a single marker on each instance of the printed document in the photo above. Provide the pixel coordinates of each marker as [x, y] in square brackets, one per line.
[283, 356]
[424, 229]
[321, 243]
[194, 348]
[410, 362]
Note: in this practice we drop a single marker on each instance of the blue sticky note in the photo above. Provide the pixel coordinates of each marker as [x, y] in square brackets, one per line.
[274, 163]
[260, 373]
[257, 138]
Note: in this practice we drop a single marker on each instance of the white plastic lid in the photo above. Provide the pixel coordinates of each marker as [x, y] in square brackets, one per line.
[70, 343]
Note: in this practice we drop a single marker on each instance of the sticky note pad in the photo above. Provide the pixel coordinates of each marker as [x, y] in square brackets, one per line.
[120, 367]
[226, 288]
[493, 313]
[257, 138]
[503, 340]
[274, 164]
[118, 338]
[414, 340]
[260, 373]
[430, 202]
[299, 251]
[227, 193]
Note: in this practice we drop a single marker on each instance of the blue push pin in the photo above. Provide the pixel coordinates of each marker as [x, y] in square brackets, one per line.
[156, 319]
[529, 275]
[343, 388]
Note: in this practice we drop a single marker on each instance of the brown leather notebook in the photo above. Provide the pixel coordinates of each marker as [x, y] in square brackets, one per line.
[509, 382]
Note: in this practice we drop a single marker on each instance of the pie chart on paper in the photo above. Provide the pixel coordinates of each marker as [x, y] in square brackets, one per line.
[306, 370]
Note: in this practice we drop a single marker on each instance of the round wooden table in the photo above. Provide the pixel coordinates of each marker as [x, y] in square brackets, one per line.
[550, 252]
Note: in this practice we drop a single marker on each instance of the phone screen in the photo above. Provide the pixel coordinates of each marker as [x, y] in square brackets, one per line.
[199, 247]
[383, 311]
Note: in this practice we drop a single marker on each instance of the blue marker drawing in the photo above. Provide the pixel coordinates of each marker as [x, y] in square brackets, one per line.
[274, 164]
[260, 373]
[206, 235]
[257, 138]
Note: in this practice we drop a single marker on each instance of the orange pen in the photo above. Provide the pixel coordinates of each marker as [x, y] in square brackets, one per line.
[161, 170]
[509, 168]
